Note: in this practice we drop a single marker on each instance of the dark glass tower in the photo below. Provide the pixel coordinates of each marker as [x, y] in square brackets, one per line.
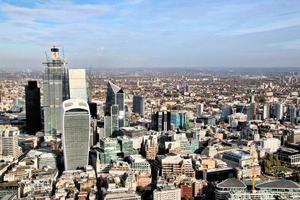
[115, 96]
[138, 105]
[33, 107]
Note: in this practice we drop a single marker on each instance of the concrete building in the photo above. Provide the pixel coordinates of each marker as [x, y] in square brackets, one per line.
[9, 142]
[150, 148]
[78, 84]
[174, 165]
[270, 145]
[139, 164]
[167, 193]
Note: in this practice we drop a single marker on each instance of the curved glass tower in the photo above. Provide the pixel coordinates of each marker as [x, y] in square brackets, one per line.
[76, 130]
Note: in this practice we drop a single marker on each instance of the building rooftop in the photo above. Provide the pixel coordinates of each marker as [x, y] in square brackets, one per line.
[289, 151]
[282, 183]
[231, 183]
[114, 87]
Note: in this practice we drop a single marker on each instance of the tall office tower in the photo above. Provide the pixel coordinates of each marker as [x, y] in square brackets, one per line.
[161, 121]
[107, 127]
[200, 108]
[55, 92]
[266, 111]
[226, 111]
[251, 111]
[115, 95]
[138, 105]
[76, 133]
[9, 142]
[178, 118]
[278, 110]
[78, 84]
[93, 110]
[114, 118]
[33, 108]
[291, 113]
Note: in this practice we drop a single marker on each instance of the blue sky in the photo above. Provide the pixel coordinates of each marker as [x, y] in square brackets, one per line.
[157, 33]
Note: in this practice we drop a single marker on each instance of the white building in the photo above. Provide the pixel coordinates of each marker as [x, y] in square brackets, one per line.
[78, 84]
[270, 145]
[167, 194]
[9, 142]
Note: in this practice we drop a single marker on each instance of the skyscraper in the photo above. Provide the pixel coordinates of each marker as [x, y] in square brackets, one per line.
[114, 118]
[161, 121]
[115, 96]
[78, 84]
[55, 92]
[76, 132]
[33, 107]
[266, 111]
[138, 105]
[278, 110]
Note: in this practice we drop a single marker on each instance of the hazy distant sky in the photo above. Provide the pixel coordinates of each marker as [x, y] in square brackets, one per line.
[158, 33]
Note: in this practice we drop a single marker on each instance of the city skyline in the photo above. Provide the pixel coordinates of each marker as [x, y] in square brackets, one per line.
[141, 33]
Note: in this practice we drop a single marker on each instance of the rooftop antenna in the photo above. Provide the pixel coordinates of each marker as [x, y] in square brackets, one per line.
[46, 55]
[63, 51]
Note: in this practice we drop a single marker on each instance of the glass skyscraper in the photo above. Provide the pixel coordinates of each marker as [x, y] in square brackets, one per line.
[138, 105]
[76, 132]
[33, 108]
[55, 91]
[115, 97]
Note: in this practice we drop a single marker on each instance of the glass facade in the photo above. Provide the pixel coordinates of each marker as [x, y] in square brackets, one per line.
[55, 90]
[76, 130]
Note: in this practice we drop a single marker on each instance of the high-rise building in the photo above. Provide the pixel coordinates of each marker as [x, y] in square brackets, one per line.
[278, 110]
[78, 84]
[291, 113]
[114, 113]
[76, 133]
[161, 121]
[55, 91]
[251, 111]
[115, 96]
[200, 108]
[150, 148]
[33, 107]
[138, 105]
[93, 109]
[178, 118]
[9, 142]
[266, 111]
